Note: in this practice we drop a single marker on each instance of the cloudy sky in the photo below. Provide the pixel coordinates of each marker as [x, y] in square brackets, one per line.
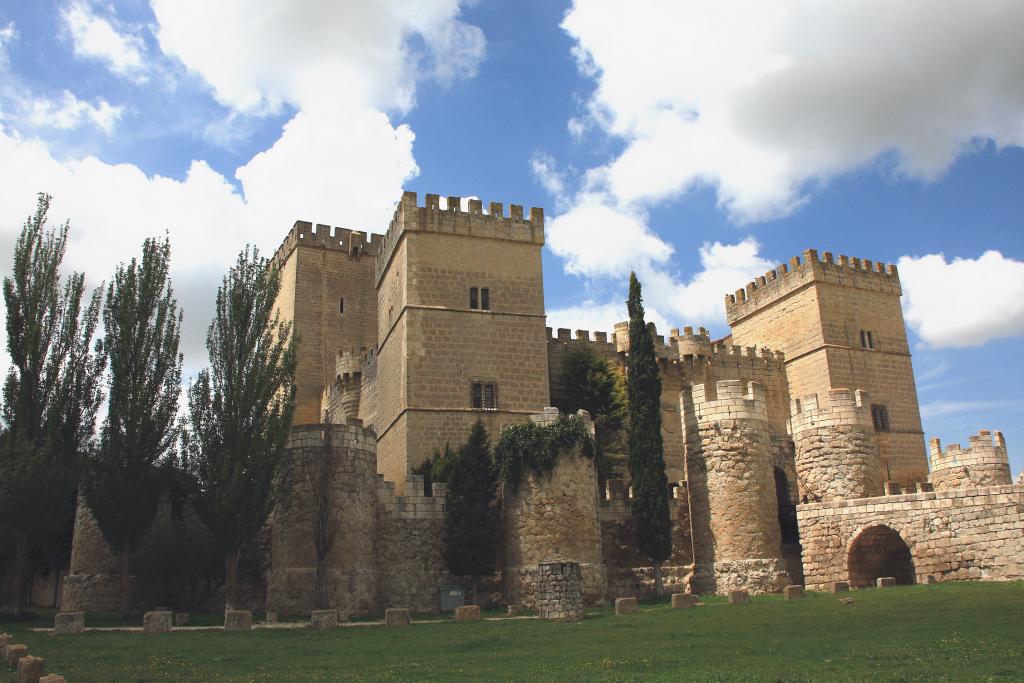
[698, 143]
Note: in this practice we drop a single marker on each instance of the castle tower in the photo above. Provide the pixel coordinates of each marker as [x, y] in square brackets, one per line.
[341, 400]
[836, 452]
[840, 324]
[461, 334]
[327, 294]
[984, 463]
[737, 542]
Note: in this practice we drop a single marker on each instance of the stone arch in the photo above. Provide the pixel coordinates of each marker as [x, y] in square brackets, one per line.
[878, 550]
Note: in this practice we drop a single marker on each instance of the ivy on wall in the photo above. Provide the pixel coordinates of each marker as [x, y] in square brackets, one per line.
[534, 447]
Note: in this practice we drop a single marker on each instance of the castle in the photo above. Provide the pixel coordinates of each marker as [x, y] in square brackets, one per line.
[794, 445]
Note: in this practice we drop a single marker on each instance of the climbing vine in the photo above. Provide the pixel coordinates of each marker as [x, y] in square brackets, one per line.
[535, 447]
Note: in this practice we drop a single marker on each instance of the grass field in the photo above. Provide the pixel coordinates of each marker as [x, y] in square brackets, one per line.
[947, 632]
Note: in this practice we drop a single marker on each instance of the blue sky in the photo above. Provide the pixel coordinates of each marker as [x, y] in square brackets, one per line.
[697, 143]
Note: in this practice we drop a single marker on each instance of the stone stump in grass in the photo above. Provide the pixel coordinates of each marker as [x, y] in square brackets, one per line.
[793, 592]
[237, 620]
[683, 600]
[156, 622]
[513, 610]
[52, 678]
[271, 617]
[324, 619]
[69, 623]
[30, 669]
[740, 597]
[885, 581]
[5, 638]
[840, 587]
[558, 591]
[181, 618]
[625, 606]
[467, 613]
[14, 653]
[397, 617]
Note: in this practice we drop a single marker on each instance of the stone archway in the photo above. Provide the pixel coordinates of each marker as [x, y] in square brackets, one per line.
[879, 551]
[788, 528]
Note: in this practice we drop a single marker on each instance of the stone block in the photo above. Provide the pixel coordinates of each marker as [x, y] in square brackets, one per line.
[156, 622]
[467, 613]
[740, 597]
[625, 606]
[271, 617]
[885, 581]
[4, 639]
[324, 619]
[30, 669]
[793, 592]
[181, 618]
[397, 617]
[52, 678]
[237, 620]
[683, 600]
[69, 623]
[513, 610]
[14, 653]
[840, 587]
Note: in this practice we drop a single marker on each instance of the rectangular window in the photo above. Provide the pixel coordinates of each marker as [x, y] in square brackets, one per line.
[473, 298]
[341, 306]
[866, 340]
[484, 395]
[880, 416]
[485, 298]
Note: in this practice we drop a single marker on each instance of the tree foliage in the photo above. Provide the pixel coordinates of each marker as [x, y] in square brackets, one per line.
[50, 398]
[124, 477]
[240, 410]
[534, 447]
[472, 523]
[436, 468]
[652, 525]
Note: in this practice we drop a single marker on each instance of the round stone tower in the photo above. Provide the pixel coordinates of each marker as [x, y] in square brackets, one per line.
[348, 454]
[736, 536]
[836, 451]
[984, 463]
[553, 517]
[349, 380]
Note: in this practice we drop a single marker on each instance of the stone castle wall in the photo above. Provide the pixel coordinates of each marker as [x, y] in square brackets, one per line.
[984, 463]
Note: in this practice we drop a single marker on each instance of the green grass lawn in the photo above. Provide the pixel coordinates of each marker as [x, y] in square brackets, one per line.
[948, 632]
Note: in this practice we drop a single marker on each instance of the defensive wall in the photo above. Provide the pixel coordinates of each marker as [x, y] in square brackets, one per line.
[984, 463]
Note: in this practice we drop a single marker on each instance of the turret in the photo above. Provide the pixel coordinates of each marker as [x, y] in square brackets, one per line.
[984, 463]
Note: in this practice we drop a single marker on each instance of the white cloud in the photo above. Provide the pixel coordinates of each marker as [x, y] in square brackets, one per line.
[963, 302]
[96, 38]
[8, 34]
[941, 408]
[544, 170]
[759, 99]
[601, 317]
[70, 112]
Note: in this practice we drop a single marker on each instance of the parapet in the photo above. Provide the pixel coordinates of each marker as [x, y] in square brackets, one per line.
[349, 363]
[728, 399]
[415, 504]
[601, 342]
[661, 349]
[844, 270]
[984, 463]
[840, 407]
[474, 222]
[352, 242]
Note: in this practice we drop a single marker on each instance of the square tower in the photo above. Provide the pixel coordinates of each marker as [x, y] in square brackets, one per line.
[840, 325]
[461, 328]
[327, 294]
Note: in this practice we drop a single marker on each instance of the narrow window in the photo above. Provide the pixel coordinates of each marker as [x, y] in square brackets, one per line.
[484, 395]
[485, 298]
[341, 306]
[880, 416]
[866, 341]
[473, 297]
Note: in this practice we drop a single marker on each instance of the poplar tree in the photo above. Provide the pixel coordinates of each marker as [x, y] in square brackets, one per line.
[50, 397]
[472, 526]
[123, 481]
[240, 410]
[651, 522]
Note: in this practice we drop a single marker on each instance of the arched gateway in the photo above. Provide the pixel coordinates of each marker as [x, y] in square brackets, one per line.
[878, 551]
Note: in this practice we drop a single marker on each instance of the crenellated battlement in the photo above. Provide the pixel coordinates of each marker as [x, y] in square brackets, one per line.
[350, 364]
[985, 462]
[727, 399]
[840, 407]
[353, 242]
[801, 271]
[415, 503]
[474, 222]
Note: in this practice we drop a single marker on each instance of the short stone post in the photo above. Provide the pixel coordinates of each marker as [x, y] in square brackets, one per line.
[14, 653]
[840, 587]
[559, 591]
[324, 619]
[181, 618]
[30, 669]
[237, 620]
[625, 606]
[69, 623]
[793, 592]
[271, 617]
[397, 617]
[513, 610]
[467, 613]
[52, 678]
[683, 600]
[5, 638]
[740, 597]
[885, 581]
[156, 622]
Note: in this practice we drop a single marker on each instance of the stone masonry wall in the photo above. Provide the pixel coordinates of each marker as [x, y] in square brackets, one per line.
[962, 534]
[984, 463]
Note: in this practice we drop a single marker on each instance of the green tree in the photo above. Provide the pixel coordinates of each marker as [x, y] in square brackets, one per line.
[240, 410]
[124, 477]
[51, 395]
[651, 523]
[472, 526]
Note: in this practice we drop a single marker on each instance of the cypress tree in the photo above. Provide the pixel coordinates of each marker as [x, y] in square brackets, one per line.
[472, 526]
[240, 410]
[651, 522]
[124, 477]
